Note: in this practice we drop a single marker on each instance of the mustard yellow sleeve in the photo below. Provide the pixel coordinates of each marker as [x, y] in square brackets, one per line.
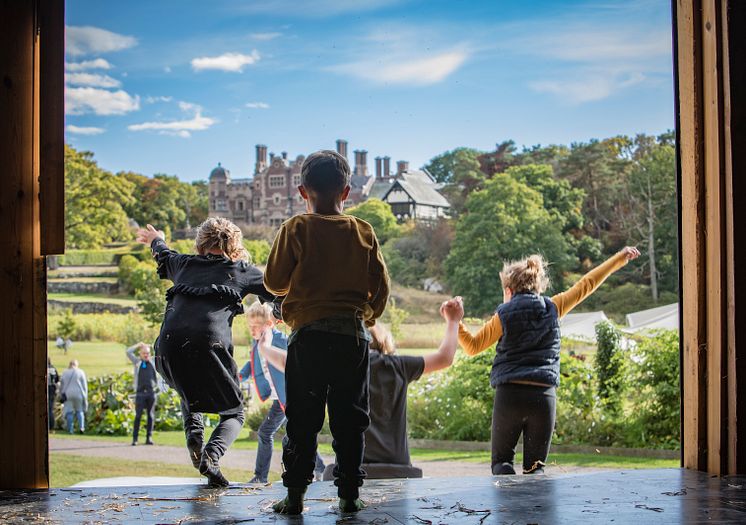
[588, 284]
[378, 282]
[280, 264]
[488, 335]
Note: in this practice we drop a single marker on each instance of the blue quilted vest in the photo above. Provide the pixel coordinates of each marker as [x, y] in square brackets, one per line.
[261, 382]
[529, 349]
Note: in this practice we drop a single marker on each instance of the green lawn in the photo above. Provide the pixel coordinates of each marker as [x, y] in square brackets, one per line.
[68, 469]
[96, 359]
[83, 279]
[176, 439]
[93, 298]
[108, 271]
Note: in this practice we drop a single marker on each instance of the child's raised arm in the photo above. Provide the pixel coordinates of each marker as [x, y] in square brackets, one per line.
[588, 284]
[276, 356]
[452, 311]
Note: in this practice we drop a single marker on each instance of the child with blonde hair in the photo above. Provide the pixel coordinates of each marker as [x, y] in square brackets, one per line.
[194, 351]
[525, 372]
[266, 367]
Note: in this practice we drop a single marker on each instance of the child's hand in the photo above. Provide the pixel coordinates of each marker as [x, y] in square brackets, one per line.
[453, 309]
[265, 340]
[630, 252]
[149, 234]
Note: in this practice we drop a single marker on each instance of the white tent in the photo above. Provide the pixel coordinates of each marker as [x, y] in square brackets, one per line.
[660, 318]
[581, 326]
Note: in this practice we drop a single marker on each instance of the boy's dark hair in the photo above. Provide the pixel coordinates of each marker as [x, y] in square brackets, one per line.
[326, 173]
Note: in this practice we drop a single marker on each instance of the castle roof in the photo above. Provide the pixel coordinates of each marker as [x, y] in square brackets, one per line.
[219, 172]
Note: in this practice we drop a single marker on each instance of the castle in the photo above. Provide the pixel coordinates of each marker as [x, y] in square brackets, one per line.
[271, 196]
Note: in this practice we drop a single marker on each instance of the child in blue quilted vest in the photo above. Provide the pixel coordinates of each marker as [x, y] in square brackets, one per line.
[525, 372]
[266, 367]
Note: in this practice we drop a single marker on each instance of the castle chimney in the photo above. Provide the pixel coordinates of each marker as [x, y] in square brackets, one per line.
[361, 165]
[387, 167]
[261, 158]
[402, 166]
[342, 147]
[379, 167]
[284, 155]
[271, 157]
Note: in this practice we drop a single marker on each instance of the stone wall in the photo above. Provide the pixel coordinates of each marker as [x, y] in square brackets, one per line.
[89, 308]
[83, 287]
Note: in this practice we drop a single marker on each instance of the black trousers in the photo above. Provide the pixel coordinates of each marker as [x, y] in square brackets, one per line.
[51, 400]
[526, 409]
[225, 433]
[144, 402]
[326, 370]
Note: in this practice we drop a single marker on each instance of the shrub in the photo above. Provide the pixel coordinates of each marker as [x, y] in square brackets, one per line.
[258, 249]
[394, 316]
[67, 326]
[609, 365]
[655, 393]
[111, 407]
[127, 329]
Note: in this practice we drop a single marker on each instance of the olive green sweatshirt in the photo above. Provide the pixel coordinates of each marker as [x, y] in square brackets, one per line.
[327, 266]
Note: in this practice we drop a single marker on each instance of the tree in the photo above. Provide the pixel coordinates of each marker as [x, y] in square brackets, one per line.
[505, 221]
[448, 166]
[499, 160]
[460, 171]
[651, 185]
[95, 202]
[166, 201]
[598, 169]
[379, 215]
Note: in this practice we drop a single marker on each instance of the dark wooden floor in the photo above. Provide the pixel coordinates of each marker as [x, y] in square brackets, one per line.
[639, 496]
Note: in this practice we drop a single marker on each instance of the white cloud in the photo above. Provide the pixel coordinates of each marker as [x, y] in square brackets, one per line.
[167, 69]
[153, 100]
[87, 40]
[98, 63]
[233, 62]
[80, 100]
[178, 128]
[257, 105]
[80, 130]
[421, 70]
[594, 46]
[265, 36]
[587, 88]
[91, 79]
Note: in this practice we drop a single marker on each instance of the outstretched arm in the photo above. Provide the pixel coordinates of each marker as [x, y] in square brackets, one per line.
[488, 335]
[452, 311]
[277, 357]
[588, 284]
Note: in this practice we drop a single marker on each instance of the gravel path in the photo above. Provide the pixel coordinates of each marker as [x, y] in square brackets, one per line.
[244, 459]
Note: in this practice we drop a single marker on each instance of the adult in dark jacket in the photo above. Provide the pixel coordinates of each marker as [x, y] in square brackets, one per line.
[525, 372]
[53, 378]
[145, 383]
[194, 351]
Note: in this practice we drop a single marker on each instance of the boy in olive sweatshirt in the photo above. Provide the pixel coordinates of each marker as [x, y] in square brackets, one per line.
[329, 268]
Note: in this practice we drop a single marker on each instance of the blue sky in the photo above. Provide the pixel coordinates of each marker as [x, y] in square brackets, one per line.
[178, 86]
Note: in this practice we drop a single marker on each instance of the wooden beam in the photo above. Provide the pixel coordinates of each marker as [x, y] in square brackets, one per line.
[715, 234]
[692, 242]
[51, 18]
[23, 406]
[734, 125]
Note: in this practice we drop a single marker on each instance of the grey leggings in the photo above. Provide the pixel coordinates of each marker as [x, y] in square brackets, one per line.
[224, 434]
[522, 408]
